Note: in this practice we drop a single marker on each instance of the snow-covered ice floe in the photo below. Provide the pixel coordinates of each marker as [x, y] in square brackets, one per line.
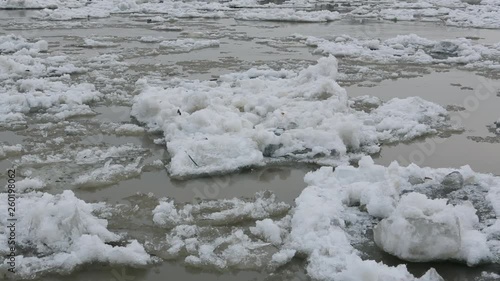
[496, 126]
[454, 13]
[32, 83]
[65, 14]
[409, 49]
[28, 4]
[59, 233]
[287, 15]
[417, 214]
[263, 115]
[105, 8]
[397, 195]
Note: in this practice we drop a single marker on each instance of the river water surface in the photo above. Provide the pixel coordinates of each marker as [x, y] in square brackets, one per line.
[244, 45]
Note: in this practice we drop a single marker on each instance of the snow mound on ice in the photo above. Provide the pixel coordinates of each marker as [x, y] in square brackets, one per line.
[261, 115]
[287, 15]
[58, 233]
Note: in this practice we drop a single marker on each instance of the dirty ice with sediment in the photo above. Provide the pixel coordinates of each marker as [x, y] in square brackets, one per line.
[98, 94]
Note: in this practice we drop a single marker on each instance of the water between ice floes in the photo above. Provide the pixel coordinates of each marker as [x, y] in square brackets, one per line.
[474, 147]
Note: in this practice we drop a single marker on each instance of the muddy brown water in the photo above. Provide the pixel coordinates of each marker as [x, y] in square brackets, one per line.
[239, 50]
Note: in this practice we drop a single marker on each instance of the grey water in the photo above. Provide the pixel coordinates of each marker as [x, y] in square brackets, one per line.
[243, 45]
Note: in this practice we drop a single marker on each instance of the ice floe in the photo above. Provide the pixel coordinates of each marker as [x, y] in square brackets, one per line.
[29, 184]
[58, 233]
[417, 214]
[28, 4]
[108, 174]
[458, 233]
[206, 234]
[129, 129]
[262, 115]
[452, 13]
[35, 84]
[151, 39]
[66, 14]
[219, 212]
[166, 27]
[88, 42]
[479, 16]
[475, 16]
[455, 13]
[10, 150]
[12, 43]
[409, 49]
[287, 15]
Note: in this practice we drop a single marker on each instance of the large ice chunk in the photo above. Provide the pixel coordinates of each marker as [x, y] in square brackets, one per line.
[263, 115]
[422, 229]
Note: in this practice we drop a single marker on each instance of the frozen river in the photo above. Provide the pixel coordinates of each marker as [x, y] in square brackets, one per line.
[126, 108]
